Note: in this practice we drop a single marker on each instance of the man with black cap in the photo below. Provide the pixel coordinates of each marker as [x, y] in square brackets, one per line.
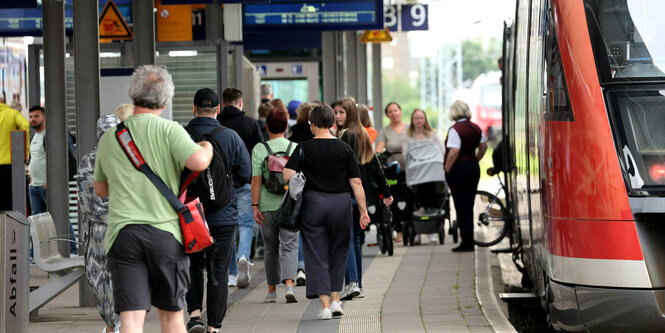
[222, 222]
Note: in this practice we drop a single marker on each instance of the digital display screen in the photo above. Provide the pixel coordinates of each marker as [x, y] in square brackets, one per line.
[28, 21]
[316, 15]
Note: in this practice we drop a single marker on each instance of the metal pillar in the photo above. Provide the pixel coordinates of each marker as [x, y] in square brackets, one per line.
[238, 55]
[361, 72]
[213, 22]
[377, 95]
[351, 68]
[328, 66]
[143, 20]
[340, 62]
[53, 13]
[18, 141]
[86, 71]
[222, 67]
[34, 87]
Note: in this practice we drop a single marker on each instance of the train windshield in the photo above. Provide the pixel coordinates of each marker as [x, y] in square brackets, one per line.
[638, 117]
[628, 38]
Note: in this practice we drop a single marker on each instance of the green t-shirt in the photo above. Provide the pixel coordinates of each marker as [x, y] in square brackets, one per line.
[268, 201]
[165, 146]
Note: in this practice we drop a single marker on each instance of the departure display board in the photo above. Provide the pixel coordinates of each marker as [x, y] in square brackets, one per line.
[314, 15]
[28, 21]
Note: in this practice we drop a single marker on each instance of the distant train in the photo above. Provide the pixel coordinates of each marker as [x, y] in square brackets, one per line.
[584, 122]
[486, 96]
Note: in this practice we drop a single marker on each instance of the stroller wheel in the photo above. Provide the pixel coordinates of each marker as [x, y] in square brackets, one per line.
[412, 234]
[380, 240]
[388, 240]
[405, 234]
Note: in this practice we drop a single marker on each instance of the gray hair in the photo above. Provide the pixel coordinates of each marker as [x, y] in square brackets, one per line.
[151, 87]
[459, 110]
[322, 116]
[266, 89]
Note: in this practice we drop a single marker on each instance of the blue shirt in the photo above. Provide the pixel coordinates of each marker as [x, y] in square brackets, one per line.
[238, 158]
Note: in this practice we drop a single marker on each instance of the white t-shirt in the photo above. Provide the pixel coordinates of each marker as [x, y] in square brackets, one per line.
[454, 140]
[38, 159]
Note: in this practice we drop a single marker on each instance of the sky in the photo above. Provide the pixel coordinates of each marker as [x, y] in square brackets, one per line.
[454, 20]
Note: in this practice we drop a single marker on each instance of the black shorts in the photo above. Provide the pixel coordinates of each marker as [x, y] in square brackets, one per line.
[148, 267]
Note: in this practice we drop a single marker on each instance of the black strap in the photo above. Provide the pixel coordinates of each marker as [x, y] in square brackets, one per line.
[270, 152]
[198, 137]
[126, 142]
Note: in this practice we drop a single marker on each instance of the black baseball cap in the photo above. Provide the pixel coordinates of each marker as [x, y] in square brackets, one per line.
[206, 98]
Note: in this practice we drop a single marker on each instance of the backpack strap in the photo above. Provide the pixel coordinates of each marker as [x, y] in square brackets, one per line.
[288, 148]
[270, 152]
[131, 150]
[190, 129]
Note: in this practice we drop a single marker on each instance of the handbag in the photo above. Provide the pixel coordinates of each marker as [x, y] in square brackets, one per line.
[288, 214]
[195, 233]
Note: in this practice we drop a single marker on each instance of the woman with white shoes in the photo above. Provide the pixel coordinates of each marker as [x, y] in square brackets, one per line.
[331, 170]
[280, 267]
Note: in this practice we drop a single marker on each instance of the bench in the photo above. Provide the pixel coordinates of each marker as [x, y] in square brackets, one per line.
[63, 272]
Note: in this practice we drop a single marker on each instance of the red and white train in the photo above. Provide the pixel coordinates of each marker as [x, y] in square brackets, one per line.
[584, 122]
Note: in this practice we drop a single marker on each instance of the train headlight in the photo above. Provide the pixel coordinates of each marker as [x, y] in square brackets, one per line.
[657, 173]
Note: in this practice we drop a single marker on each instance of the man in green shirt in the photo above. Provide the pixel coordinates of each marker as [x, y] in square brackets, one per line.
[146, 258]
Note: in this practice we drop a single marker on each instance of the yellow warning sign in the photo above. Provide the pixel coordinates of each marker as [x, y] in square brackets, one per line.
[112, 25]
[376, 36]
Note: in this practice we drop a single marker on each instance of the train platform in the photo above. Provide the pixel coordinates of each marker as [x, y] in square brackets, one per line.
[423, 288]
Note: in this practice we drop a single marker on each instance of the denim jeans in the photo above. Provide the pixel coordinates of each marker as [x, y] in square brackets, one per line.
[301, 256]
[38, 205]
[354, 262]
[245, 227]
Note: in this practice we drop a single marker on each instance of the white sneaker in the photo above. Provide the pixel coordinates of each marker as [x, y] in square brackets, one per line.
[324, 314]
[301, 278]
[336, 308]
[243, 272]
[433, 238]
[352, 290]
[233, 280]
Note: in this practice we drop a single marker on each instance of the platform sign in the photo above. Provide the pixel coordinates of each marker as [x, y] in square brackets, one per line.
[18, 4]
[112, 25]
[284, 15]
[406, 17]
[28, 21]
[175, 22]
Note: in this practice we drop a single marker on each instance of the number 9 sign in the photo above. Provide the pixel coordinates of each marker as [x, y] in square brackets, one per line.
[406, 17]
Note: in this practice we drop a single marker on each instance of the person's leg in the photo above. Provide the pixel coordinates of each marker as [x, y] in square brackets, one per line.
[338, 233]
[194, 295]
[271, 249]
[355, 242]
[289, 255]
[351, 273]
[245, 222]
[471, 177]
[315, 243]
[301, 256]
[37, 199]
[171, 321]
[218, 266]
[97, 273]
[132, 321]
[233, 263]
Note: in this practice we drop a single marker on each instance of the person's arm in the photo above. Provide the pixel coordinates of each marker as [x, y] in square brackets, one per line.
[359, 194]
[380, 146]
[102, 189]
[453, 154]
[244, 169]
[200, 159]
[381, 140]
[256, 196]
[287, 174]
[482, 148]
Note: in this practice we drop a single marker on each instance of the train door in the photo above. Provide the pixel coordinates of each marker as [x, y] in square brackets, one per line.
[292, 80]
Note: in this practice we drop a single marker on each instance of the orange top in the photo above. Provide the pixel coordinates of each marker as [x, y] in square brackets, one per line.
[372, 133]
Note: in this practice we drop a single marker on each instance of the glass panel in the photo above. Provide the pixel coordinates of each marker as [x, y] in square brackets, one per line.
[628, 37]
[288, 90]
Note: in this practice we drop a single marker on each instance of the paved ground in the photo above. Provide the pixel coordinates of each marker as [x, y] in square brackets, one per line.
[424, 288]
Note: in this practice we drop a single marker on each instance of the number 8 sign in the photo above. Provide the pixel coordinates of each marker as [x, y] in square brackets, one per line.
[408, 17]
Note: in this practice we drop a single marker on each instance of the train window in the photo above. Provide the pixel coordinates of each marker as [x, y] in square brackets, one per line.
[628, 38]
[639, 118]
[558, 101]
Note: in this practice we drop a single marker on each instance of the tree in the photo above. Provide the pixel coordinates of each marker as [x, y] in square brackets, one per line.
[477, 59]
[397, 89]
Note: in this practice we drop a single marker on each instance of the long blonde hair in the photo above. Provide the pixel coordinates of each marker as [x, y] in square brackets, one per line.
[352, 126]
[427, 130]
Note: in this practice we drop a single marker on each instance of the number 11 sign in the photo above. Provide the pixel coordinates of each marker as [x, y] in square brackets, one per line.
[406, 17]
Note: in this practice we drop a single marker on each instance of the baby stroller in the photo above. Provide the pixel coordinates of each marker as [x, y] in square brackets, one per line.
[402, 207]
[426, 177]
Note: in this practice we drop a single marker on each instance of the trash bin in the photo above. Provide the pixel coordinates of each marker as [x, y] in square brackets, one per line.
[15, 277]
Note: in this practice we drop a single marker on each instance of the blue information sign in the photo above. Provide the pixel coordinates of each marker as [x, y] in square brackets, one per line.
[315, 15]
[18, 3]
[28, 21]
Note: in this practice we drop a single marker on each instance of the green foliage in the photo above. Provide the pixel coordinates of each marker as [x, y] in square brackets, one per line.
[478, 59]
[396, 88]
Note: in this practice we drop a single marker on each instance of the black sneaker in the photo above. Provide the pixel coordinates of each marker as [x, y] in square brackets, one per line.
[195, 325]
[463, 249]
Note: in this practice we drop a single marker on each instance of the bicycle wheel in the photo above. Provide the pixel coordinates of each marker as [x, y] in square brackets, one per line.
[489, 217]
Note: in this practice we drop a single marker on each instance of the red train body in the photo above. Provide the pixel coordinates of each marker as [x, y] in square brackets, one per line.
[582, 91]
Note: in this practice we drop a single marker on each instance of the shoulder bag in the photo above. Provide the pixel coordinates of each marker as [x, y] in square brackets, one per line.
[288, 214]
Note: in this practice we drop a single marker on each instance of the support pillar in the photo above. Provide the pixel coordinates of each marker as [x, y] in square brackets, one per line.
[361, 71]
[351, 68]
[377, 94]
[53, 13]
[86, 71]
[34, 87]
[143, 20]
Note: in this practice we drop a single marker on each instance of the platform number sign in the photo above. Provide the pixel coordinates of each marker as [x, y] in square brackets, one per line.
[406, 17]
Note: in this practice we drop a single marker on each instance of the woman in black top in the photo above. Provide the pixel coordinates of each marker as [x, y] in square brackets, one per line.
[300, 131]
[331, 170]
[351, 131]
